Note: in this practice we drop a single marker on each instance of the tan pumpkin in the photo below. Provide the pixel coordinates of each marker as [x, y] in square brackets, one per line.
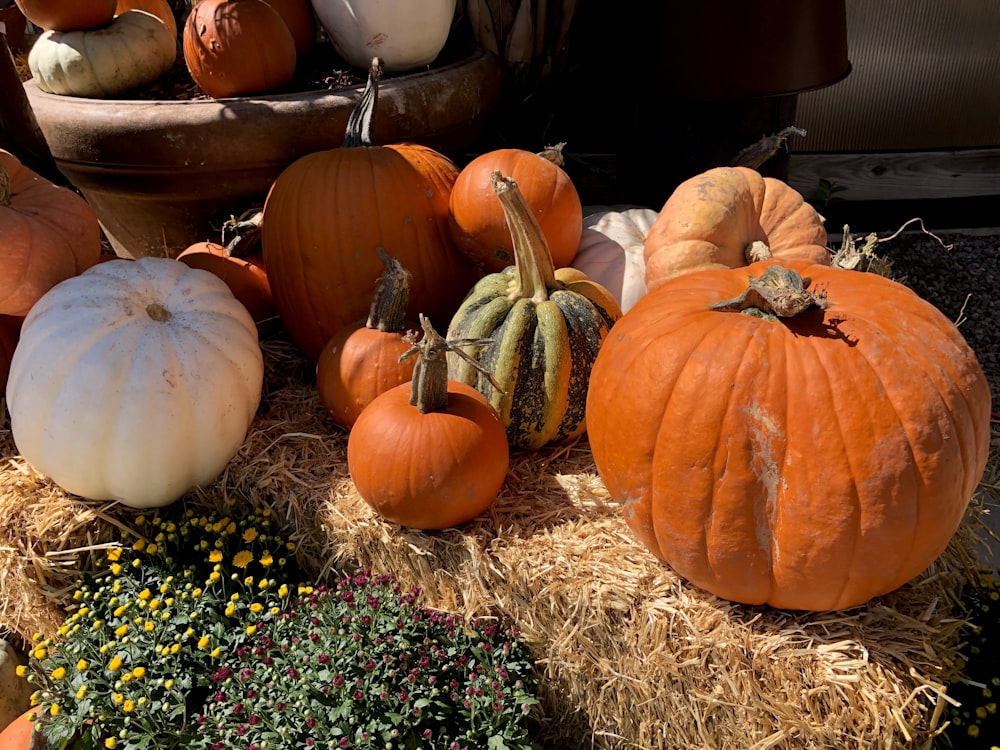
[47, 233]
[136, 48]
[728, 217]
[159, 8]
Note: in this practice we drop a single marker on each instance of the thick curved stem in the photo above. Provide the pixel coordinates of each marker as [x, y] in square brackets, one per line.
[392, 296]
[361, 123]
[535, 272]
[779, 292]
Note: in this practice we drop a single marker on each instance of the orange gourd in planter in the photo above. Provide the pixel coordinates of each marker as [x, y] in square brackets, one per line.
[47, 234]
[430, 454]
[726, 217]
[68, 15]
[807, 458]
[363, 360]
[298, 17]
[328, 211]
[477, 222]
[238, 47]
[159, 8]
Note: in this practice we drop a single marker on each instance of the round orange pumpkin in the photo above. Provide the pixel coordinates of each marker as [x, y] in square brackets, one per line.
[238, 47]
[327, 213]
[298, 17]
[68, 15]
[727, 216]
[477, 222]
[159, 8]
[809, 462]
[430, 454]
[47, 233]
[245, 276]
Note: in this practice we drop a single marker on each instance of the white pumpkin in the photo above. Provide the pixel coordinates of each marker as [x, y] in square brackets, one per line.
[136, 48]
[611, 248]
[406, 34]
[135, 381]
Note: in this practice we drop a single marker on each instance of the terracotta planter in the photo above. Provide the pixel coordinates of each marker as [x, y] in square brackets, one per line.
[162, 175]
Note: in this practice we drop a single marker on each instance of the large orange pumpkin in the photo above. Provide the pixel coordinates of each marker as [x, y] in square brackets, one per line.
[238, 47]
[809, 462]
[477, 222]
[726, 217]
[47, 233]
[327, 213]
[68, 15]
[159, 8]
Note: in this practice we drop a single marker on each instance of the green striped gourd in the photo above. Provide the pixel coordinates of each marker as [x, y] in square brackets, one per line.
[545, 326]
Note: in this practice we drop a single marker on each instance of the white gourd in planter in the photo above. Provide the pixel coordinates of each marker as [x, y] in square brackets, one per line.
[406, 34]
[136, 48]
[611, 251]
[135, 381]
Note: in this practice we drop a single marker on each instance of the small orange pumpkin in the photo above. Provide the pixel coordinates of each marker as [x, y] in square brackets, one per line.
[47, 233]
[298, 17]
[68, 15]
[363, 360]
[430, 454]
[477, 223]
[727, 217]
[238, 47]
[159, 8]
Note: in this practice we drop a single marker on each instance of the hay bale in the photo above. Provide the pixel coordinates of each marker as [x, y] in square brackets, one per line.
[633, 657]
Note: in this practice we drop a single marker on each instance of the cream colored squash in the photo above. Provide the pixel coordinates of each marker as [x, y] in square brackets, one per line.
[611, 248]
[135, 381]
[136, 48]
[406, 34]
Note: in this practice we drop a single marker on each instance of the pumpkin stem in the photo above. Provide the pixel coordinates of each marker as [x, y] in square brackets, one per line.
[535, 274]
[246, 229]
[554, 153]
[392, 295]
[429, 387]
[157, 312]
[757, 250]
[4, 186]
[361, 123]
[779, 292]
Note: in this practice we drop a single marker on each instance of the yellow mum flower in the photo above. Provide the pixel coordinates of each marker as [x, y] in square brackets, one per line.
[82, 664]
[275, 610]
[120, 611]
[145, 594]
[115, 664]
[256, 607]
[216, 652]
[58, 673]
[249, 535]
[40, 652]
[81, 692]
[168, 684]
[98, 624]
[230, 609]
[204, 641]
[266, 560]
[243, 559]
[215, 556]
[214, 576]
[128, 706]
[152, 549]
[54, 709]
[154, 604]
[264, 583]
[283, 591]
[139, 672]
[114, 554]
[197, 593]
[121, 630]
[140, 520]
[63, 629]
[234, 597]
[82, 612]
[21, 670]
[251, 629]
[139, 545]
[118, 698]
[136, 562]
[973, 730]
[110, 742]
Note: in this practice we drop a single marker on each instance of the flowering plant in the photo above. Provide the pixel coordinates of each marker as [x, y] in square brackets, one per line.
[130, 667]
[195, 636]
[361, 665]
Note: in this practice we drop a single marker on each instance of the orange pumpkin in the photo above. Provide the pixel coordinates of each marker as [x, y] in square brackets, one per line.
[238, 47]
[47, 233]
[477, 223]
[159, 8]
[298, 17]
[328, 211]
[68, 15]
[430, 454]
[726, 217]
[806, 462]
[245, 276]
[363, 360]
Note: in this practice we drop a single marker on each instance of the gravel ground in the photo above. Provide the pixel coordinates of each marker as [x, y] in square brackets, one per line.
[963, 281]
